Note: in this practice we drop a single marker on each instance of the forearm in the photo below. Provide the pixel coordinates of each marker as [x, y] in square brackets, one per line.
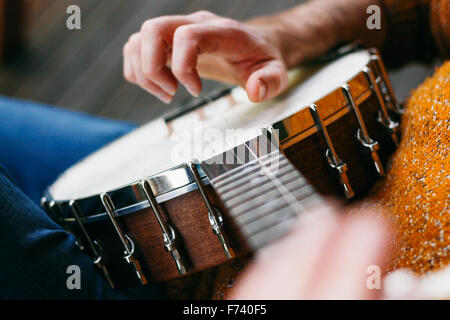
[311, 29]
[414, 31]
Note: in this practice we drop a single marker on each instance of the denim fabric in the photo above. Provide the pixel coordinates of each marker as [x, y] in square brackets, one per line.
[37, 143]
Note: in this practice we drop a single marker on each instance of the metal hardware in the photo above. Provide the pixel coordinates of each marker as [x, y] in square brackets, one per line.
[93, 244]
[390, 97]
[54, 213]
[197, 103]
[169, 180]
[44, 204]
[214, 215]
[127, 242]
[362, 134]
[51, 205]
[373, 147]
[383, 115]
[333, 159]
[51, 208]
[167, 230]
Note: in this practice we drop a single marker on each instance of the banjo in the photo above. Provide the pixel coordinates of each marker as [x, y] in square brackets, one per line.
[224, 178]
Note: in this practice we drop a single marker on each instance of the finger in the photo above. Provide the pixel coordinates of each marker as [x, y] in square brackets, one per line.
[360, 244]
[156, 42]
[266, 81]
[148, 85]
[287, 265]
[157, 36]
[190, 41]
[141, 80]
[184, 60]
[128, 72]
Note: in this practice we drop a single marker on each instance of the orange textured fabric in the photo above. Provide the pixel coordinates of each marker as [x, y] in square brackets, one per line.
[415, 195]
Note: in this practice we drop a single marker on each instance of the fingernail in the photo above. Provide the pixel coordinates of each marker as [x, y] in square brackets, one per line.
[169, 89]
[262, 90]
[165, 98]
[193, 91]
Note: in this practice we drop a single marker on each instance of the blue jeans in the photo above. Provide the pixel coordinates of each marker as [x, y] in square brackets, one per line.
[37, 143]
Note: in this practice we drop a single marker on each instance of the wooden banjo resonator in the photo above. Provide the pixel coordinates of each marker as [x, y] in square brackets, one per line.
[144, 217]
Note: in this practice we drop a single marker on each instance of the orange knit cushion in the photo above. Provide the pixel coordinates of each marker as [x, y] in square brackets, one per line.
[416, 192]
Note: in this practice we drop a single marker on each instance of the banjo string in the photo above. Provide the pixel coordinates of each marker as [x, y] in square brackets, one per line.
[287, 195]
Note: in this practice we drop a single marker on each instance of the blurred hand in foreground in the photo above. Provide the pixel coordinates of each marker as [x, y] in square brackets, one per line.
[202, 44]
[326, 256]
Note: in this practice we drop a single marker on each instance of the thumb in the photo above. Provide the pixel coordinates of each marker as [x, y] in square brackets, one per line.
[267, 81]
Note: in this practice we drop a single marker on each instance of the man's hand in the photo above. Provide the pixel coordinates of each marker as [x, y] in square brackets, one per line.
[254, 55]
[184, 48]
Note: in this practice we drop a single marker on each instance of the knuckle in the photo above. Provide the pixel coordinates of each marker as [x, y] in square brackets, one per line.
[155, 24]
[230, 23]
[276, 82]
[134, 39]
[203, 14]
[147, 26]
[185, 32]
[150, 26]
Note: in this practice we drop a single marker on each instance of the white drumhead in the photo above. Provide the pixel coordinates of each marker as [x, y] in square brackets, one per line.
[201, 134]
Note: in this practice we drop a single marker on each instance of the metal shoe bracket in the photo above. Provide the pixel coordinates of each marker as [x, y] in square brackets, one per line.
[93, 244]
[383, 116]
[44, 204]
[168, 232]
[333, 159]
[214, 215]
[389, 97]
[126, 240]
[362, 134]
[51, 208]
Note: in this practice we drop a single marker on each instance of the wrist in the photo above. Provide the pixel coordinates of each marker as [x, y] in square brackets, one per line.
[271, 33]
[300, 34]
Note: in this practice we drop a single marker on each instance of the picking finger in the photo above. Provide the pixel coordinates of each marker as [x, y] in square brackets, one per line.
[147, 84]
[268, 80]
[156, 44]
